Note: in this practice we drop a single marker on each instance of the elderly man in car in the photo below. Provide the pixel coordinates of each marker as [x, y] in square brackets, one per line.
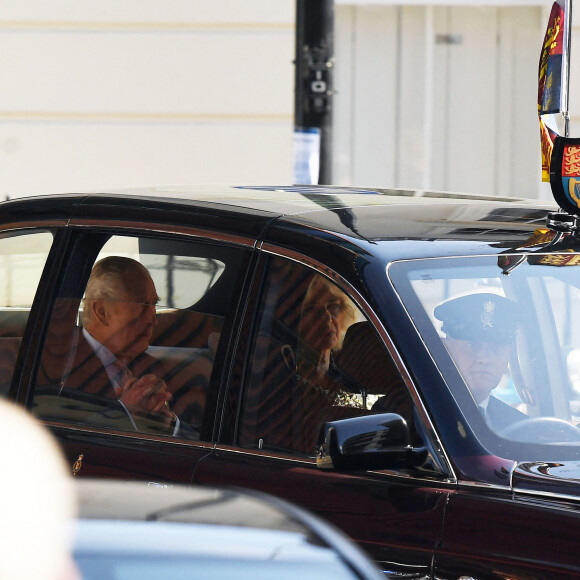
[110, 359]
[480, 332]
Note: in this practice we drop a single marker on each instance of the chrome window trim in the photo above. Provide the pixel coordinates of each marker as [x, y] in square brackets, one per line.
[132, 227]
[265, 454]
[133, 435]
[40, 225]
[464, 485]
[156, 228]
[445, 483]
[369, 313]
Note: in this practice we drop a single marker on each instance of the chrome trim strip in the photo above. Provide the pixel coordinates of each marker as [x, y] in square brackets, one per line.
[138, 436]
[547, 495]
[368, 311]
[462, 484]
[311, 462]
[22, 225]
[193, 231]
[278, 456]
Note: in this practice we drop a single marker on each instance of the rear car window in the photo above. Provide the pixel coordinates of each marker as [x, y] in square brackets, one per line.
[22, 260]
[173, 333]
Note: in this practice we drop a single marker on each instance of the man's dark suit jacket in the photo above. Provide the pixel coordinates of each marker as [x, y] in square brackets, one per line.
[87, 373]
[81, 371]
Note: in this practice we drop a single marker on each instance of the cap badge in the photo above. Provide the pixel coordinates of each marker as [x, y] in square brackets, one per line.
[487, 314]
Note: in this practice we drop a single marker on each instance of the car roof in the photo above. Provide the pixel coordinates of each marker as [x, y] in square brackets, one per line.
[358, 214]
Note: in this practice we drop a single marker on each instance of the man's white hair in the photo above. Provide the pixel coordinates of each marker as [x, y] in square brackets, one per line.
[108, 280]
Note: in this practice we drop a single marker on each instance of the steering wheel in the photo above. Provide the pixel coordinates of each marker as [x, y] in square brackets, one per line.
[542, 430]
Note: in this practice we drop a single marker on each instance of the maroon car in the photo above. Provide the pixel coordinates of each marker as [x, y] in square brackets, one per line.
[315, 341]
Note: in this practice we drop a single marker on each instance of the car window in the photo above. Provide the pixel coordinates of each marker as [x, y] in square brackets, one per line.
[22, 260]
[508, 325]
[135, 350]
[316, 358]
[180, 280]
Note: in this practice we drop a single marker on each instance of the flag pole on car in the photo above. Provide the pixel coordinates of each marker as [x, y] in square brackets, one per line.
[560, 152]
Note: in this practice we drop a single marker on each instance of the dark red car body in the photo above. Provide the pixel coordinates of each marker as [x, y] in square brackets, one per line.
[453, 507]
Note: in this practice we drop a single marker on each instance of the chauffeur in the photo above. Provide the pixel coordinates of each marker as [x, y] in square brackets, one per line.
[480, 332]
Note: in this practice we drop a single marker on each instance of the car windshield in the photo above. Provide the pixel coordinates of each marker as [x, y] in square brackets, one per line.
[507, 328]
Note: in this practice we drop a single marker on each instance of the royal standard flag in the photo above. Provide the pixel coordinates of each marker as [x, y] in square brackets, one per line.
[550, 82]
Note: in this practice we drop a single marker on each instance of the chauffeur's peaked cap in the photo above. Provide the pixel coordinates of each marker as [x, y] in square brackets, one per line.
[481, 316]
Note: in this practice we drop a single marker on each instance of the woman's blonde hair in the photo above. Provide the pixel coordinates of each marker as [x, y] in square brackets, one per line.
[350, 311]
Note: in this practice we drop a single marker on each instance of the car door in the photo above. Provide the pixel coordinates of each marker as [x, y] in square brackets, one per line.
[278, 401]
[484, 536]
[199, 283]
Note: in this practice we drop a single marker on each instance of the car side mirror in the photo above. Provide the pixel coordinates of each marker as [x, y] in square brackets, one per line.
[380, 441]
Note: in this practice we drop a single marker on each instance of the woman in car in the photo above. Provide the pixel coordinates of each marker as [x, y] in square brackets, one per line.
[326, 315]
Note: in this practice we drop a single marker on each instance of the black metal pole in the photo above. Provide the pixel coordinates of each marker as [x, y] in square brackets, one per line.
[313, 77]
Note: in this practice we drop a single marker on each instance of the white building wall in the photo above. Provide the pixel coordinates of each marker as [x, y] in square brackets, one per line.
[111, 94]
[438, 97]
[106, 94]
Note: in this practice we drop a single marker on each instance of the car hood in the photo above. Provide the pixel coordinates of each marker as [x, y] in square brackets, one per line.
[562, 478]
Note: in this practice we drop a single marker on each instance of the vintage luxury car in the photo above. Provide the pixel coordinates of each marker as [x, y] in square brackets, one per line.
[131, 530]
[404, 364]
